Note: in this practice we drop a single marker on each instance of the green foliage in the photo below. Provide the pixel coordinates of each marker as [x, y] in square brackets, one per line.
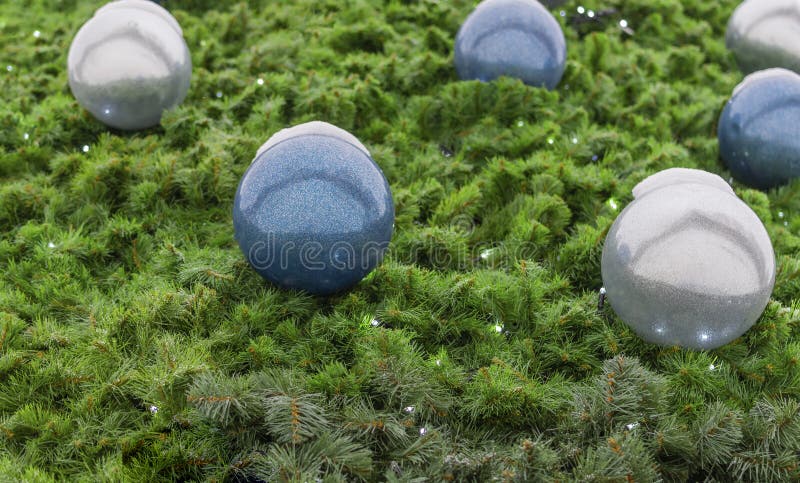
[137, 345]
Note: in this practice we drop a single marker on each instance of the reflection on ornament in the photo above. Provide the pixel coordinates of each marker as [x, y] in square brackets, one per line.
[313, 212]
[765, 33]
[514, 38]
[687, 262]
[129, 63]
[758, 129]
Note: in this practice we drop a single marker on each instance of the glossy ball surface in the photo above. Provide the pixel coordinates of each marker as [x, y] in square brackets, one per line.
[313, 212]
[758, 129]
[687, 262]
[129, 63]
[514, 38]
[764, 34]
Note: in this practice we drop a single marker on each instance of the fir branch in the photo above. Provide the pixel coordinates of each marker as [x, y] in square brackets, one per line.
[718, 430]
[224, 400]
[327, 456]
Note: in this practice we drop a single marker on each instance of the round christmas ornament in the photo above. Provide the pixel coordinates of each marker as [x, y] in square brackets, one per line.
[514, 38]
[687, 262]
[313, 211]
[765, 33]
[758, 137]
[129, 63]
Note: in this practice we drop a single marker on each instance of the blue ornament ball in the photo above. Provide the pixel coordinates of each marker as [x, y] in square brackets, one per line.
[758, 138]
[313, 211]
[514, 38]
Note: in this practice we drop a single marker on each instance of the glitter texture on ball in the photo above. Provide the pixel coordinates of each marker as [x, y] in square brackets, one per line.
[313, 211]
[687, 262]
[757, 130]
[764, 34]
[129, 63]
[514, 38]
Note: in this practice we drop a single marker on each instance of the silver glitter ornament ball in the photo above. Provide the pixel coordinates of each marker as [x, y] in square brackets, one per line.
[129, 63]
[764, 34]
[687, 262]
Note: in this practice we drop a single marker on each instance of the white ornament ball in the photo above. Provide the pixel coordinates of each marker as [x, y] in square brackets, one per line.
[129, 63]
[687, 262]
[764, 34]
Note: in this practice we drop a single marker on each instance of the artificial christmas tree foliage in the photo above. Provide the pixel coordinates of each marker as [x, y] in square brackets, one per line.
[138, 344]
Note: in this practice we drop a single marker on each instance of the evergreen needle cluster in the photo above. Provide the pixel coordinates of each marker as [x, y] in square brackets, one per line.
[137, 345]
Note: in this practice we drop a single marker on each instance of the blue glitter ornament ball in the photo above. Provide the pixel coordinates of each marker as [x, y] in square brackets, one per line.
[313, 211]
[758, 137]
[514, 38]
